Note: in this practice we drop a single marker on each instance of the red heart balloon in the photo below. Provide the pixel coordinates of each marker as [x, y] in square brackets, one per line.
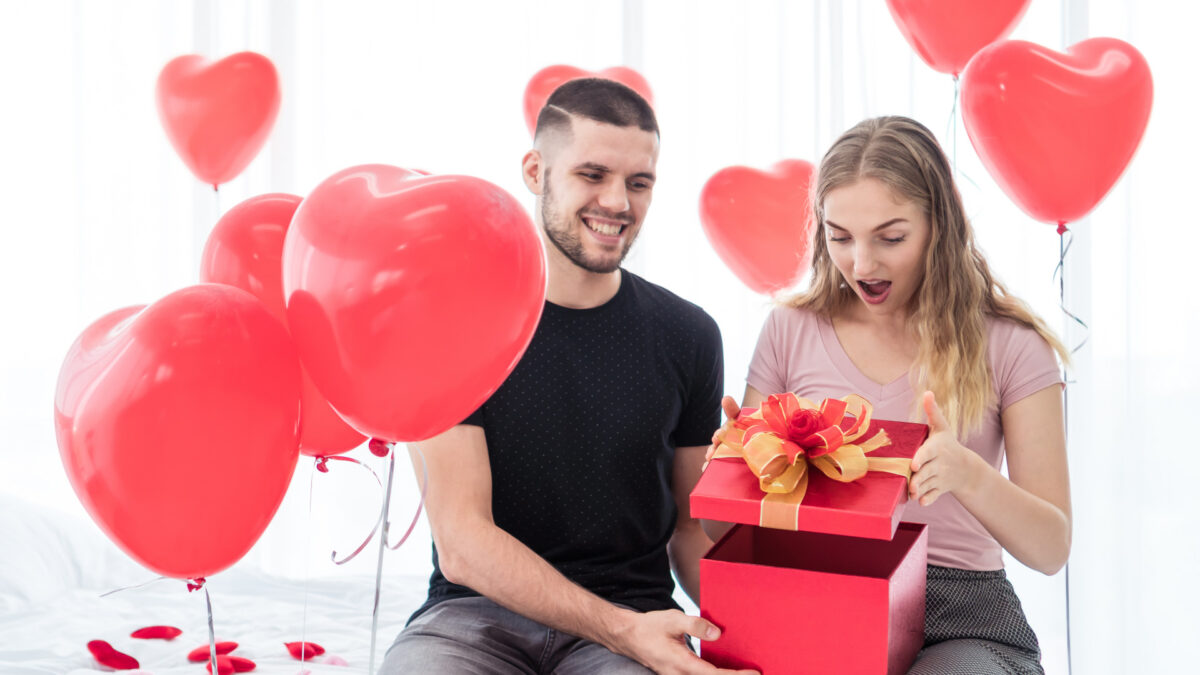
[1057, 130]
[947, 33]
[410, 297]
[245, 249]
[178, 426]
[546, 80]
[760, 222]
[218, 115]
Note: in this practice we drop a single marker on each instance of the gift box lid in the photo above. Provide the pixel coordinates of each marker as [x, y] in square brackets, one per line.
[868, 507]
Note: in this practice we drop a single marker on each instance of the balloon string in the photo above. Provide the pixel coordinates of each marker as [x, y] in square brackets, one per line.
[129, 588]
[307, 548]
[387, 499]
[321, 466]
[212, 634]
[954, 128]
[1065, 239]
[421, 503]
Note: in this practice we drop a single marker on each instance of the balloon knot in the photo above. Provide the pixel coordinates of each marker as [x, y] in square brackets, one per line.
[322, 464]
[1062, 227]
[379, 447]
[195, 584]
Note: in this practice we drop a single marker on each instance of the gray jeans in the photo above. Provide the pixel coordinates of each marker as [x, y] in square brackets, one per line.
[464, 636]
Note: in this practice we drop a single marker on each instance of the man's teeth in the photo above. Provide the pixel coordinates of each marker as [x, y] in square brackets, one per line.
[603, 228]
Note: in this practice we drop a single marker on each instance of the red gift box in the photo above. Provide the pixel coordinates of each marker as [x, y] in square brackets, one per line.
[845, 591]
[803, 602]
[868, 507]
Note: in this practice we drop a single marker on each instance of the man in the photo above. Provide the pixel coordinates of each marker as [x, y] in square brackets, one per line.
[560, 507]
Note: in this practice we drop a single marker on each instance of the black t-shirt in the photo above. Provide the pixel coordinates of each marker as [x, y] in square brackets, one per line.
[582, 435]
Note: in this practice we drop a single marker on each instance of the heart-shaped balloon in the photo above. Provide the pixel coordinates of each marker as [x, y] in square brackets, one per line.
[178, 425]
[245, 249]
[760, 222]
[410, 297]
[218, 115]
[546, 80]
[1057, 130]
[947, 33]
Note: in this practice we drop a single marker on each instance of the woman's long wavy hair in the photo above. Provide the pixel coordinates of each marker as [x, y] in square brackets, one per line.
[949, 311]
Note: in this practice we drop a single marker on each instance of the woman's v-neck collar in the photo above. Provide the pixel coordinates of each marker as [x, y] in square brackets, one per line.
[863, 384]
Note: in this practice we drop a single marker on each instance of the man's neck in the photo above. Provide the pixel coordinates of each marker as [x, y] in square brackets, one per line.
[569, 285]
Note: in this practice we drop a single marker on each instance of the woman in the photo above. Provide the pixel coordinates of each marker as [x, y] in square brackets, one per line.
[903, 310]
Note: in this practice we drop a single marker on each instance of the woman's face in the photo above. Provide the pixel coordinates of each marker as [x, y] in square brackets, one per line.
[877, 241]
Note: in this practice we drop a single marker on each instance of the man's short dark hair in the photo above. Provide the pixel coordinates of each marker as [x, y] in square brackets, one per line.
[596, 99]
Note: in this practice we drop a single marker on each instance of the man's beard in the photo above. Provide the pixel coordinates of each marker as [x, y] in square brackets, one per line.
[565, 240]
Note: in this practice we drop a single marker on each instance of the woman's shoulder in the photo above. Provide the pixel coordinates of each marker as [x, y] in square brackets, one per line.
[1020, 358]
[1005, 334]
[794, 317]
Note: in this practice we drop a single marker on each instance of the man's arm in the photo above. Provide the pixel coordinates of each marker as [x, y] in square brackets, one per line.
[474, 552]
[689, 542]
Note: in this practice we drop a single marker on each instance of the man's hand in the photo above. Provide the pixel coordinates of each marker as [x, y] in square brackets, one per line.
[657, 640]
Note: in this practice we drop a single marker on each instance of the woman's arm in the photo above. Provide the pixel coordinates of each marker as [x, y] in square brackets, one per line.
[1028, 513]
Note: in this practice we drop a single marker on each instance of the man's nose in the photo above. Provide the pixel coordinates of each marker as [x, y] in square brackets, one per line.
[615, 197]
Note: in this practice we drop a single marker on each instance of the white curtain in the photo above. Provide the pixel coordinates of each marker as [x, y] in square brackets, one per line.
[101, 214]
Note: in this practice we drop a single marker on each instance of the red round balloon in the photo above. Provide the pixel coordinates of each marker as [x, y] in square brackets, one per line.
[245, 249]
[546, 80]
[947, 33]
[178, 426]
[760, 222]
[1057, 130]
[410, 297]
[218, 115]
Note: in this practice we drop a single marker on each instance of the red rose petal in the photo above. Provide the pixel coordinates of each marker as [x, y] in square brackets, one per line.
[309, 650]
[241, 665]
[156, 632]
[201, 653]
[108, 656]
[224, 666]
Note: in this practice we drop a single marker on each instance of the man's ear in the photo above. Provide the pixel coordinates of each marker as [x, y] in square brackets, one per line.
[531, 171]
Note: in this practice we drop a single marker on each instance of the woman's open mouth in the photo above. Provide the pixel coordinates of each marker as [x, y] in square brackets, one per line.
[875, 292]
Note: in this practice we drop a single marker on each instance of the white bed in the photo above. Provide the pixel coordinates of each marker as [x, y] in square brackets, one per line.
[54, 568]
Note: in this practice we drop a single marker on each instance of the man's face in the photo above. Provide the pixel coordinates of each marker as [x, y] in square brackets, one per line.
[595, 190]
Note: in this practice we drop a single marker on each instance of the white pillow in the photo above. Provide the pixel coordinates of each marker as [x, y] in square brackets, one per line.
[44, 552]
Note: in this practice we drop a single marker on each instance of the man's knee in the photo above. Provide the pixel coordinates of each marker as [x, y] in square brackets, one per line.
[415, 651]
[465, 635]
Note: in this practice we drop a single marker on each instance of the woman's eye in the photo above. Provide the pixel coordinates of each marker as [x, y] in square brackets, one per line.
[839, 239]
[893, 240]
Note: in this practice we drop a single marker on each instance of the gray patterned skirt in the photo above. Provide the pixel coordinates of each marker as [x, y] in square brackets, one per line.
[974, 625]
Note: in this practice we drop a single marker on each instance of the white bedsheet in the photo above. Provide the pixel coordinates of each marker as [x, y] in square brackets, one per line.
[54, 567]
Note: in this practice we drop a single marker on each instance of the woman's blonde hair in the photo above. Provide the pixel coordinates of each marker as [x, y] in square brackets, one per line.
[957, 293]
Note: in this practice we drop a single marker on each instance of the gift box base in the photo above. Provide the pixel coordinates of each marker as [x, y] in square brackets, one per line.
[805, 602]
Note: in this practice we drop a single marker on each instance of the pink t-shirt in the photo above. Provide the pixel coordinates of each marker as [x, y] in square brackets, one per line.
[798, 351]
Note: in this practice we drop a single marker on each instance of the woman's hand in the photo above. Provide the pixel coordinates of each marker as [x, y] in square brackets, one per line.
[942, 465]
[732, 410]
